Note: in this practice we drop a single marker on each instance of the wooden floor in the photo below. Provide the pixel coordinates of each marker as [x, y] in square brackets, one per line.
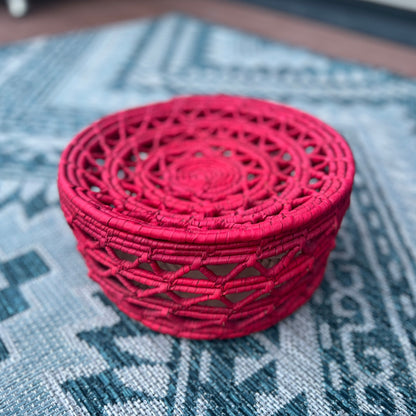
[56, 16]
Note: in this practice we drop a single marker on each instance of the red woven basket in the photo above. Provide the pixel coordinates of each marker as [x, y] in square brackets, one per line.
[207, 216]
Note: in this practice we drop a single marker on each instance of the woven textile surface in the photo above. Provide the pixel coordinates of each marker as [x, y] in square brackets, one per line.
[207, 216]
[66, 350]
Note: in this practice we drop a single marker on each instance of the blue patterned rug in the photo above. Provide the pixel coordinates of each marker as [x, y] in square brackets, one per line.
[65, 350]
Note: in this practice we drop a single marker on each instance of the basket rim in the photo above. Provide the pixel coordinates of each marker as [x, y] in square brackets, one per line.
[270, 225]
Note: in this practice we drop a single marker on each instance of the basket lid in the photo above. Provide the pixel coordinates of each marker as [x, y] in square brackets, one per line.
[206, 169]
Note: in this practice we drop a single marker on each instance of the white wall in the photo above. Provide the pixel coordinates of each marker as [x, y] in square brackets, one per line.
[403, 4]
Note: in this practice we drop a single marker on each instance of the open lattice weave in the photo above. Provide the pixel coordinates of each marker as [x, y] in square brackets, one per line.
[207, 216]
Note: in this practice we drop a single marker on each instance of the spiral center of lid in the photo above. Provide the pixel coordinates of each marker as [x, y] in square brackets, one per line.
[205, 177]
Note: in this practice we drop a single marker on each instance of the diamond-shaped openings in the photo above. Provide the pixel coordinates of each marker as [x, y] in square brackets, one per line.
[228, 287]
[139, 131]
[319, 162]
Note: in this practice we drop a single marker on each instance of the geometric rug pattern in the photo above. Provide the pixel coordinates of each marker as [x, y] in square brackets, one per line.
[66, 350]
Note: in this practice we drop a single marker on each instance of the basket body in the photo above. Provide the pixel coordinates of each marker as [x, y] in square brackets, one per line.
[208, 216]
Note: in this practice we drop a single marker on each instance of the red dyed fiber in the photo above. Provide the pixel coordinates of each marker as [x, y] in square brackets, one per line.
[207, 216]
